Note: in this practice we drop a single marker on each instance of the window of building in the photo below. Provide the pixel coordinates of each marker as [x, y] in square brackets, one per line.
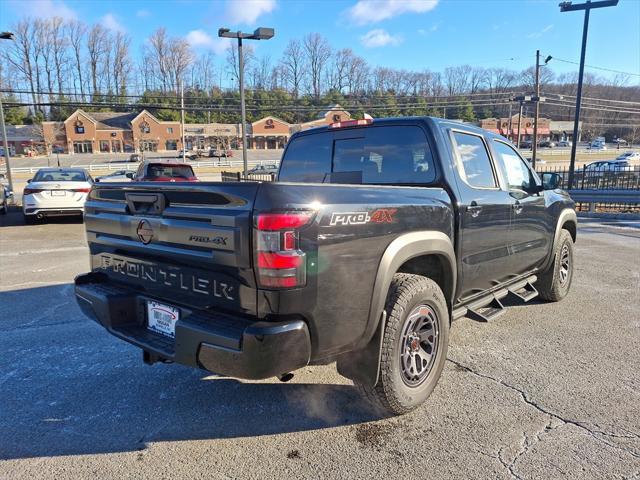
[79, 127]
[475, 167]
[145, 128]
[518, 175]
[171, 145]
[169, 129]
[104, 146]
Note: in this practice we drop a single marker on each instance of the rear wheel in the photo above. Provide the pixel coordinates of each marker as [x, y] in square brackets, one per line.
[414, 346]
[554, 284]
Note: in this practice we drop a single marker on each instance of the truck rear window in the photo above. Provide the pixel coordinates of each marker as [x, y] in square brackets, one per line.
[371, 155]
[160, 170]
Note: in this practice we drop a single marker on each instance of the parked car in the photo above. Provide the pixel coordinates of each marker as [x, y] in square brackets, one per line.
[620, 141]
[547, 144]
[263, 169]
[597, 145]
[117, 176]
[565, 143]
[526, 144]
[190, 154]
[219, 153]
[435, 219]
[55, 192]
[135, 157]
[629, 156]
[163, 171]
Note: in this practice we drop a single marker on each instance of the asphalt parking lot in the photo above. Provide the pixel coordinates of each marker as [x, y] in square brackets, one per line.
[545, 391]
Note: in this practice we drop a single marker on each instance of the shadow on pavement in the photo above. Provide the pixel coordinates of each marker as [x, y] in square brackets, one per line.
[68, 387]
[14, 218]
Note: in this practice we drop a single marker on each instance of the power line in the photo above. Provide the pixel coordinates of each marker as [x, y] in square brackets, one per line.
[597, 68]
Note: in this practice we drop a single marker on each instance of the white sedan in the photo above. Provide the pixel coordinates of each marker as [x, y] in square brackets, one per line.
[117, 176]
[55, 192]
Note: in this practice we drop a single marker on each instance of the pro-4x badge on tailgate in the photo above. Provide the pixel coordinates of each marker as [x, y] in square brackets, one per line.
[382, 215]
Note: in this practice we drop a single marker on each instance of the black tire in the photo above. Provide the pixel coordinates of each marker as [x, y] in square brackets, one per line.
[394, 392]
[554, 284]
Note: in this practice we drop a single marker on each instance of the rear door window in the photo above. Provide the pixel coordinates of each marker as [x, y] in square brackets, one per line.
[475, 167]
[394, 155]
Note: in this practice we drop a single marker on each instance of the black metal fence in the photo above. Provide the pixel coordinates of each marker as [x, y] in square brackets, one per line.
[251, 177]
[606, 178]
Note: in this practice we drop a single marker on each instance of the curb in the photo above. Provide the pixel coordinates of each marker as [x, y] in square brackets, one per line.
[610, 216]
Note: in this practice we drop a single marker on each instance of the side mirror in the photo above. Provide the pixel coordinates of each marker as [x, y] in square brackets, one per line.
[96, 180]
[130, 175]
[30, 180]
[551, 181]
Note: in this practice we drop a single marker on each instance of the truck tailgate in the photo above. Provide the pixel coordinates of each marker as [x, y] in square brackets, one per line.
[188, 243]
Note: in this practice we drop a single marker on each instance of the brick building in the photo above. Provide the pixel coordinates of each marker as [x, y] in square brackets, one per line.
[547, 129]
[112, 132]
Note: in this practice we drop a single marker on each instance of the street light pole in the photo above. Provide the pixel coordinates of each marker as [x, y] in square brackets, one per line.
[569, 7]
[261, 33]
[243, 112]
[519, 124]
[7, 159]
[184, 153]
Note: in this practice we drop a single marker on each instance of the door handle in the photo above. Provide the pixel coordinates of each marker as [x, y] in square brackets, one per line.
[474, 209]
[517, 207]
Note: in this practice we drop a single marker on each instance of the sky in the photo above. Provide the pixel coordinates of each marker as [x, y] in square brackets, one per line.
[410, 34]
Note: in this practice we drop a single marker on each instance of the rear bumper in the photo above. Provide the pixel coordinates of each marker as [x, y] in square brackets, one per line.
[53, 212]
[220, 343]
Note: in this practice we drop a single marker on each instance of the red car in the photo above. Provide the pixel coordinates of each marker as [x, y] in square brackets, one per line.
[154, 171]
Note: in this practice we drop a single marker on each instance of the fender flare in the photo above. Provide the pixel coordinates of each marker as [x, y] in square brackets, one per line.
[568, 215]
[363, 363]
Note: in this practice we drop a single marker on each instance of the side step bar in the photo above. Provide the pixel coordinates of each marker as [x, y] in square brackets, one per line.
[489, 307]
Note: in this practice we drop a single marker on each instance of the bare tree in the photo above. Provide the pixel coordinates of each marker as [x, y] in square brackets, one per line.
[121, 62]
[248, 58]
[20, 54]
[96, 48]
[293, 66]
[76, 32]
[179, 57]
[317, 53]
[159, 52]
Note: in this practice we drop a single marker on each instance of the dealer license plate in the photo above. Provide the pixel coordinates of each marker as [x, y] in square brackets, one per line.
[162, 318]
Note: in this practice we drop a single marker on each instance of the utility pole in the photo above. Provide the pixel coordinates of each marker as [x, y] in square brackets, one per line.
[538, 99]
[184, 153]
[569, 7]
[519, 123]
[537, 114]
[261, 33]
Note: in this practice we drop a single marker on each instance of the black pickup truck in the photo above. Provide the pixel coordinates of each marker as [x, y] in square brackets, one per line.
[375, 236]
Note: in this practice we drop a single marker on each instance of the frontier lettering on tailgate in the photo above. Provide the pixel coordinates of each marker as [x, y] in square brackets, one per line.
[171, 277]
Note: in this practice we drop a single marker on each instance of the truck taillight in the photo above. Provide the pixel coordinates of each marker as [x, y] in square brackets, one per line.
[279, 261]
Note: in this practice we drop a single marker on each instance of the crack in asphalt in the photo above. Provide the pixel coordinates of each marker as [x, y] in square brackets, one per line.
[526, 443]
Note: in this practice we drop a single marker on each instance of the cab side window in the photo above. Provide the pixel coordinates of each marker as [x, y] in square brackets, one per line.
[475, 167]
[516, 172]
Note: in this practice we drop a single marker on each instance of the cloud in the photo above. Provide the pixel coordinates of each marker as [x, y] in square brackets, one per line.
[47, 9]
[143, 13]
[379, 38]
[201, 39]
[373, 11]
[110, 22]
[541, 32]
[248, 11]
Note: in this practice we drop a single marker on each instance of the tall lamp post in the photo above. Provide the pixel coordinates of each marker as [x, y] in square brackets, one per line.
[259, 34]
[6, 36]
[569, 7]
